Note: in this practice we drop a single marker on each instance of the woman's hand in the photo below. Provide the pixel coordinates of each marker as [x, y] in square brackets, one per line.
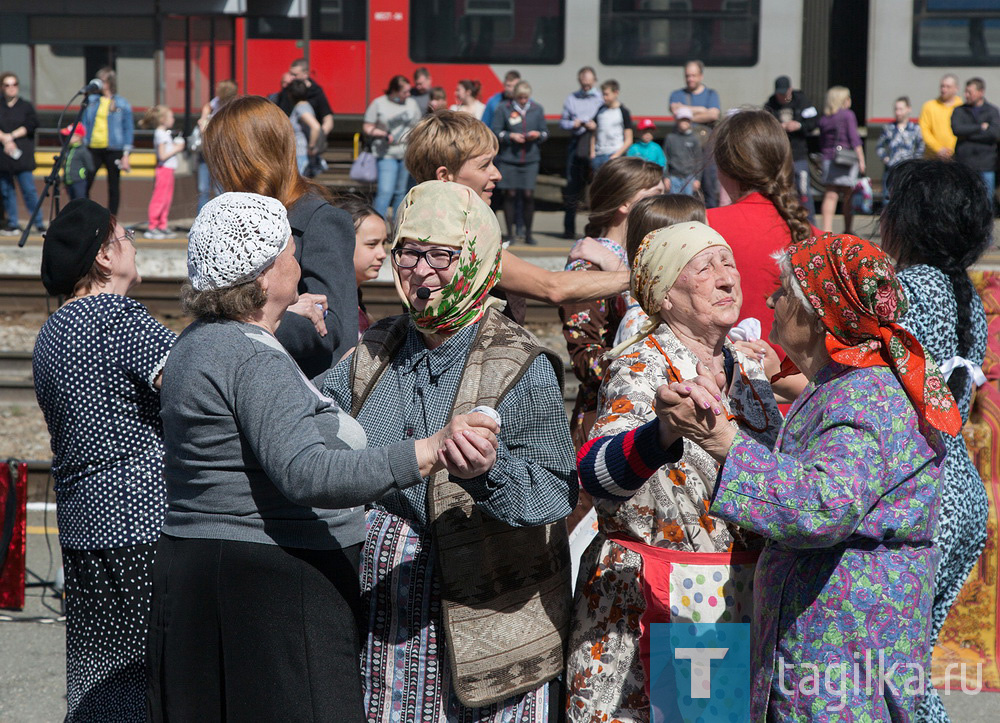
[467, 455]
[532, 135]
[762, 352]
[594, 252]
[694, 409]
[314, 308]
[516, 137]
[466, 447]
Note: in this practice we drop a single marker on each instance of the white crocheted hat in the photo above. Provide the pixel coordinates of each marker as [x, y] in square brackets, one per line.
[235, 237]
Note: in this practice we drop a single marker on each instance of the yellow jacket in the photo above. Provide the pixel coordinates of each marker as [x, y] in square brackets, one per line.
[935, 124]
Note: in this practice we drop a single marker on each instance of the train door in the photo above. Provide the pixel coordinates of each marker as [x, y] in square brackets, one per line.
[332, 37]
[835, 50]
[198, 52]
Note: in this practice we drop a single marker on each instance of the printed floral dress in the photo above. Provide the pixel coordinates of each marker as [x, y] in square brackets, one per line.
[848, 501]
[605, 678]
[589, 329]
[961, 534]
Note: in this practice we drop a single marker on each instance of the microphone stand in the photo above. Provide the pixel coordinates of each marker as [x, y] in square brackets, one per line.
[53, 177]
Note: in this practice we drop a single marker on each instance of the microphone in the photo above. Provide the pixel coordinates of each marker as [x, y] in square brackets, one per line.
[423, 293]
[94, 86]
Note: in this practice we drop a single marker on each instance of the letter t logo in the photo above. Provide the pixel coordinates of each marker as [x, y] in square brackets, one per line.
[701, 667]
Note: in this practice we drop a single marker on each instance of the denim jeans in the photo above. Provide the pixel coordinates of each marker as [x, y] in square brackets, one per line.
[803, 187]
[207, 187]
[598, 161]
[576, 182]
[682, 185]
[28, 193]
[990, 181]
[393, 180]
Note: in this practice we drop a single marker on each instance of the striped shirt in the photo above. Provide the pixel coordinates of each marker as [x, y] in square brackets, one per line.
[616, 467]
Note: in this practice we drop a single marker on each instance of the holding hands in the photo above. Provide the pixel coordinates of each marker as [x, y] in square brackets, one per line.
[466, 447]
[693, 409]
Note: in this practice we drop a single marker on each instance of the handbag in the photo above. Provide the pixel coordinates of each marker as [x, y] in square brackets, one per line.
[13, 504]
[195, 140]
[364, 169]
[844, 156]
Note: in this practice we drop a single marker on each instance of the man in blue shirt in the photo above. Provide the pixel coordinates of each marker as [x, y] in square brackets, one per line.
[578, 117]
[705, 110]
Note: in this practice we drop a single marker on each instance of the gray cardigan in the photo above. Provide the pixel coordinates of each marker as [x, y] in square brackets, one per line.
[254, 452]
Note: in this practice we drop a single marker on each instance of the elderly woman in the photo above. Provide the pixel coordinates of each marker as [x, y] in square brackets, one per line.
[938, 223]
[466, 582]
[847, 500]
[685, 279]
[256, 575]
[97, 364]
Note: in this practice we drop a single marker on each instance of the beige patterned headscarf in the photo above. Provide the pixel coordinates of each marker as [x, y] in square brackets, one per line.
[661, 257]
[450, 214]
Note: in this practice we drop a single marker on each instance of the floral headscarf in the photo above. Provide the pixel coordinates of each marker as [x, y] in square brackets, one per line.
[450, 214]
[659, 260]
[854, 290]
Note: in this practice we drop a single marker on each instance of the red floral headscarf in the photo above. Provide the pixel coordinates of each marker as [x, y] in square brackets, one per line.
[854, 290]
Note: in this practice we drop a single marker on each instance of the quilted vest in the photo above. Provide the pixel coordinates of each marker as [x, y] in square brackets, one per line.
[506, 594]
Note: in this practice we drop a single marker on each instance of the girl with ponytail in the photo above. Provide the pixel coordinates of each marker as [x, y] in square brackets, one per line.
[754, 159]
[937, 223]
[590, 327]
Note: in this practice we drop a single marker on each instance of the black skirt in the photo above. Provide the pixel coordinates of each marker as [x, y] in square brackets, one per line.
[245, 631]
[108, 594]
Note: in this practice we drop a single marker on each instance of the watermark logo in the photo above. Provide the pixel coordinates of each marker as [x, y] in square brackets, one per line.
[875, 673]
[700, 672]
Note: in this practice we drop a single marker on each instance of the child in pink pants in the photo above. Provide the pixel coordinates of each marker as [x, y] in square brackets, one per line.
[167, 147]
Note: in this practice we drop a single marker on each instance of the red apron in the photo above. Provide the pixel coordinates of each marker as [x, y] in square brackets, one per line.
[696, 587]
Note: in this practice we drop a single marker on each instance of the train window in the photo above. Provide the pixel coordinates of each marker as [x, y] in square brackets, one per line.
[670, 32]
[956, 32]
[487, 31]
[329, 20]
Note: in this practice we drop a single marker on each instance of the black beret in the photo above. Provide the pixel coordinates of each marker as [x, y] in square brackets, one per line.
[71, 244]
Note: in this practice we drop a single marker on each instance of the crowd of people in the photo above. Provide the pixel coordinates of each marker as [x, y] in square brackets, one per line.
[373, 516]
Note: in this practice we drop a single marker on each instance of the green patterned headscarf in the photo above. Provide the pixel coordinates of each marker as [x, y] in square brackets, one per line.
[450, 214]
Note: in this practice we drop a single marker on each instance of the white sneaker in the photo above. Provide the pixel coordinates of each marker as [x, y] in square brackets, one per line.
[154, 234]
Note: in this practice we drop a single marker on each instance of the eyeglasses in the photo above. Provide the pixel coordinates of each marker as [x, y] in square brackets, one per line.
[129, 236]
[406, 258]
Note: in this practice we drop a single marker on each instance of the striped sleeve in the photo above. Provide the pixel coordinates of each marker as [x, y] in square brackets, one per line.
[616, 467]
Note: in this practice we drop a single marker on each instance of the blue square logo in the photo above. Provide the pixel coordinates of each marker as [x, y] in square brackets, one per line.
[699, 672]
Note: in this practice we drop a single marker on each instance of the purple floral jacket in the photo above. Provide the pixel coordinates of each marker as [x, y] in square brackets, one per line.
[848, 501]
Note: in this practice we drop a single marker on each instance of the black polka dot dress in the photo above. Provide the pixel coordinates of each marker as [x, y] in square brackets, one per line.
[95, 363]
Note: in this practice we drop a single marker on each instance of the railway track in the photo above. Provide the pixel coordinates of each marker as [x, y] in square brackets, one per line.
[25, 294]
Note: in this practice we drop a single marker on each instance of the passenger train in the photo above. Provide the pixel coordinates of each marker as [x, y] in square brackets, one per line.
[880, 50]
